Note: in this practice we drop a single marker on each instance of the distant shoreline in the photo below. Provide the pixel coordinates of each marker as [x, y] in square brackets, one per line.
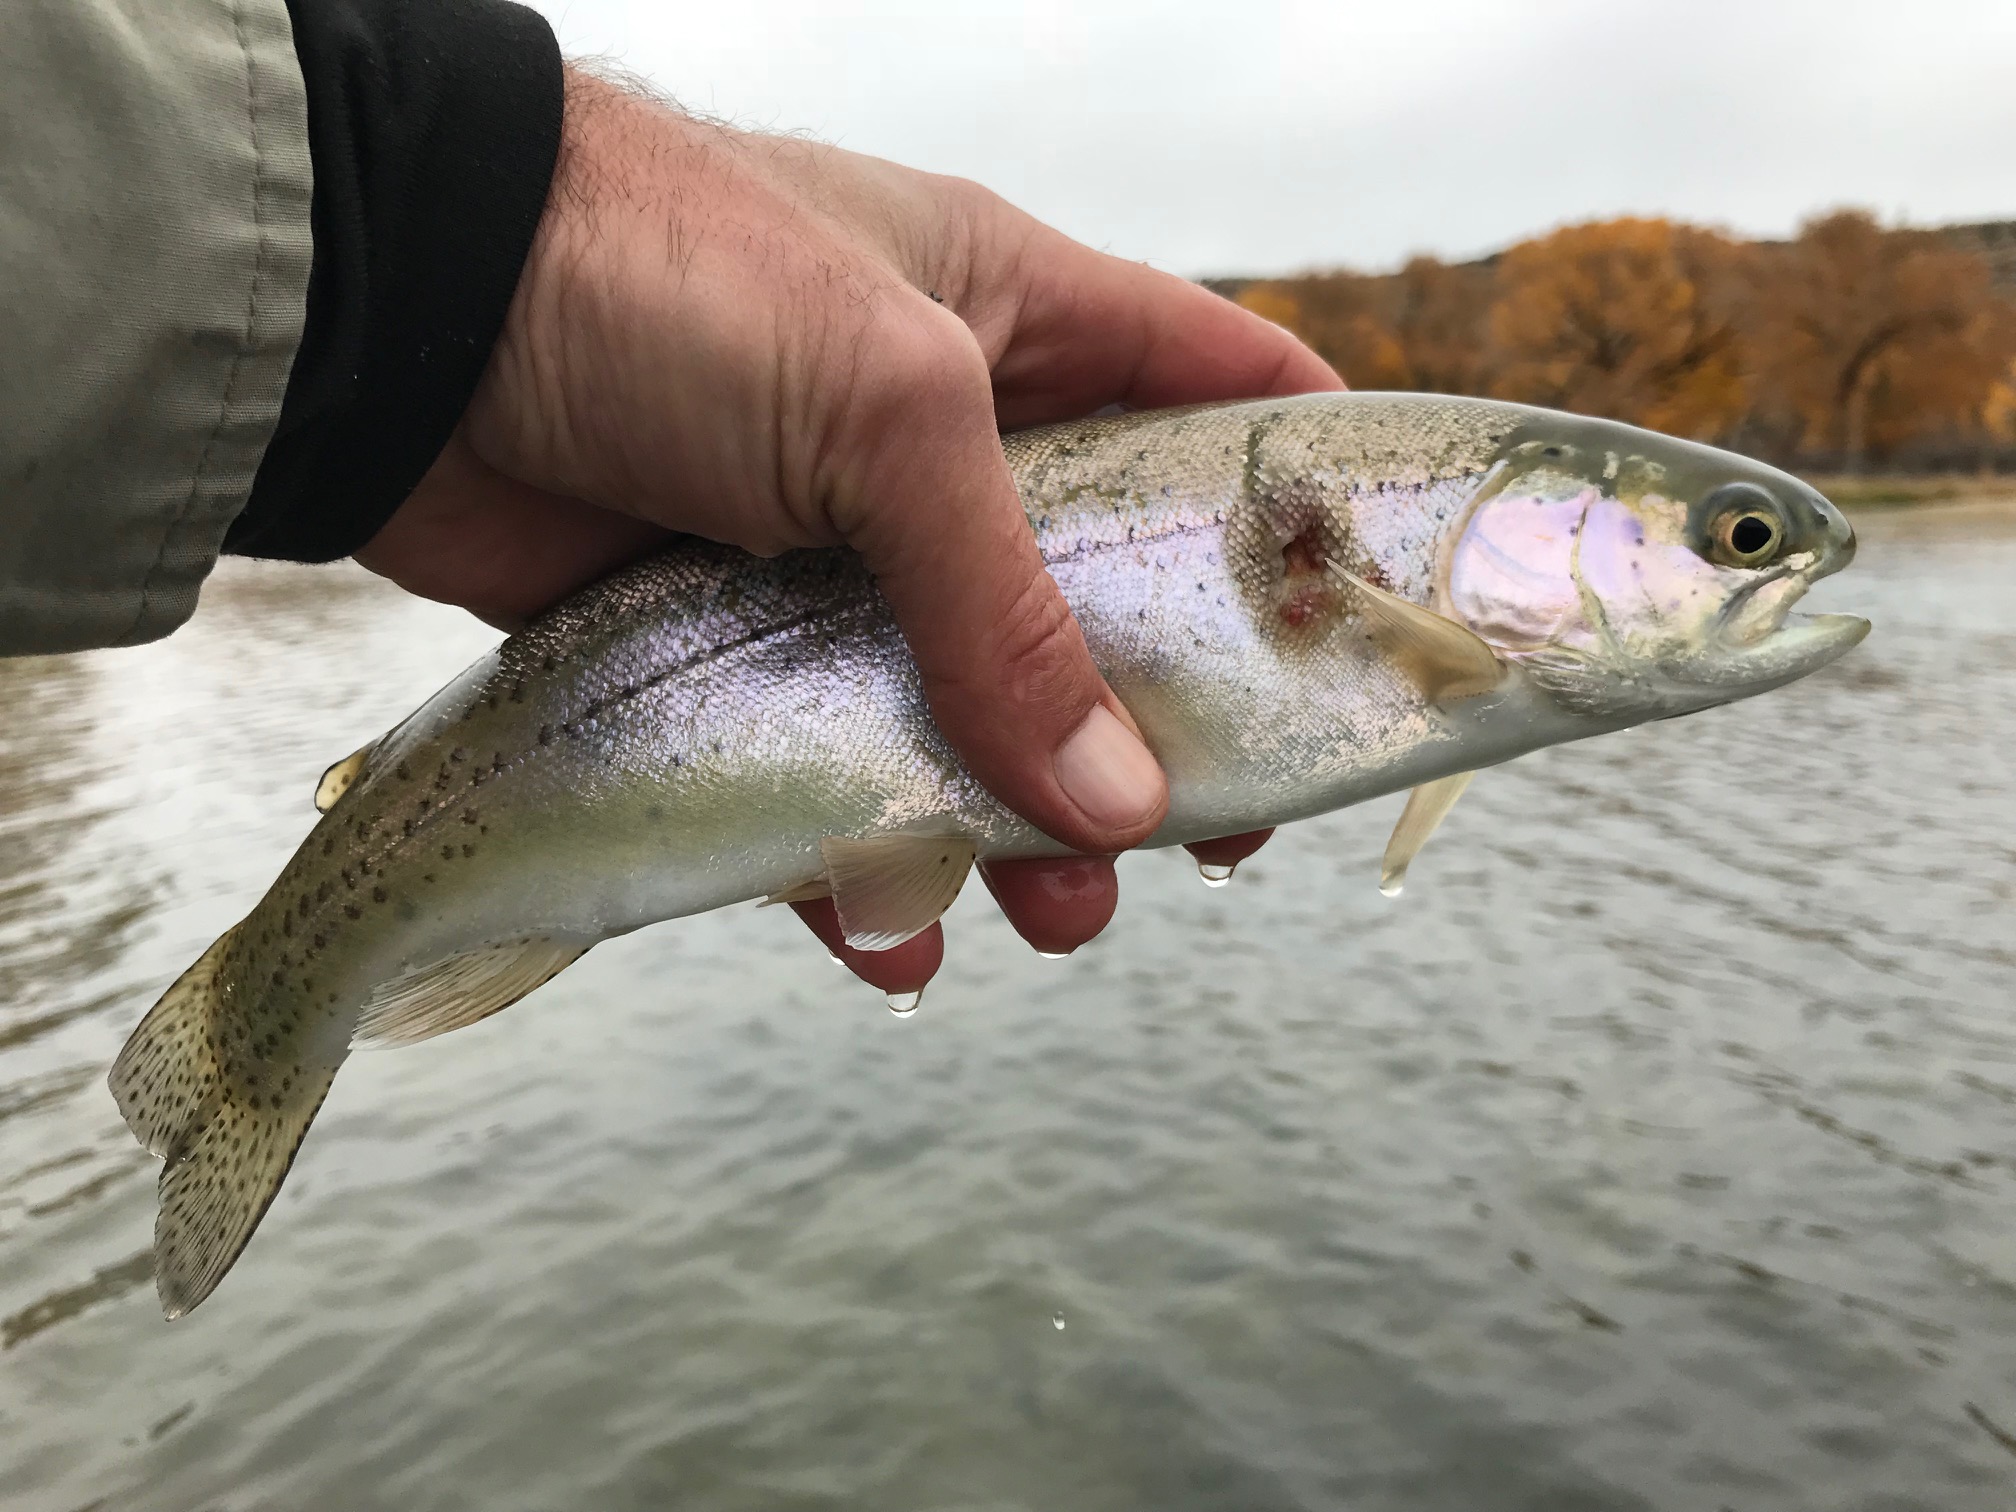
[1906, 490]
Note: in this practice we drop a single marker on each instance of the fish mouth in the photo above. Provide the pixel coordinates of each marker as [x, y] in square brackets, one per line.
[1791, 645]
[1756, 643]
[1758, 610]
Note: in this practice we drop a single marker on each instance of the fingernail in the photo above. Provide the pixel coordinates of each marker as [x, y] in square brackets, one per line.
[1108, 773]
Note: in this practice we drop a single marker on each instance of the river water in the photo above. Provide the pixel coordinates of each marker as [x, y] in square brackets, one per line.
[1656, 1150]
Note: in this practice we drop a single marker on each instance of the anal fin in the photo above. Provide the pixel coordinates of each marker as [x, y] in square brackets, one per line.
[1445, 659]
[1427, 806]
[460, 990]
[891, 888]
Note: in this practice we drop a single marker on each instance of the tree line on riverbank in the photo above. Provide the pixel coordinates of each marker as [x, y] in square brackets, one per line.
[1853, 345]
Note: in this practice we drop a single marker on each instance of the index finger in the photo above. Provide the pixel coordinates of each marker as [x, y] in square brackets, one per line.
[1072, 330]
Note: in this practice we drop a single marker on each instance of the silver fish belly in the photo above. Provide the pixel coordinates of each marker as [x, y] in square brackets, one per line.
[1304, 603]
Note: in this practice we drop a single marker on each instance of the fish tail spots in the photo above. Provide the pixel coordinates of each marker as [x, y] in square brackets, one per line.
[227, 1145]
[215, 1192]
[167, 1076]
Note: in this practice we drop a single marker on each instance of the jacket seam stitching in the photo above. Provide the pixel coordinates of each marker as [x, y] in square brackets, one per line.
[227, 404]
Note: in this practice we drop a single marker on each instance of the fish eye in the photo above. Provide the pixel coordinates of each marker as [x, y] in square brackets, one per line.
[1746, 537]
[1752, 535]
[1747, 530]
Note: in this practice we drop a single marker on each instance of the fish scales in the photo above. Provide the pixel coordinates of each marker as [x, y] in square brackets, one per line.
[1284, 593]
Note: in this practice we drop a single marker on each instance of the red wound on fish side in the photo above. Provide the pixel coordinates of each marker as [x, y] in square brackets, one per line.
[1306, 590]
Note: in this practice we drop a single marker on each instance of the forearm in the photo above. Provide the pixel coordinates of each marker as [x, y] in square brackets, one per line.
[176, 380]
[154, 257]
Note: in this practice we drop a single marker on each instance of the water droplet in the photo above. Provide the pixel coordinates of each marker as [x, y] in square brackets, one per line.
[1057, 1321]
[1392, 887]
[903, 1004]
[1055, 955]
[1215, 875]
[836, 960]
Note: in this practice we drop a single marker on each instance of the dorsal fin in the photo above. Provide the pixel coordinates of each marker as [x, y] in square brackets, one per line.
[459, 990]
[1427, 806]
[1445, 659]
[339, 778]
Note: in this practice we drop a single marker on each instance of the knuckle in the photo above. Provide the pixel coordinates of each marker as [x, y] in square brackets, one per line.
[927, 362]
[1038, 655]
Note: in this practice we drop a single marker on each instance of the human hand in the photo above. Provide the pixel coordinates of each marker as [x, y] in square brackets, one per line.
[777, 344]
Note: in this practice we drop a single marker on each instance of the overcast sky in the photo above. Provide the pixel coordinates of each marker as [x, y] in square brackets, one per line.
[1255, 137]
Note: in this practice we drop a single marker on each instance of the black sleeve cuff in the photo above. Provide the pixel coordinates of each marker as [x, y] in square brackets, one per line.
[433, 126]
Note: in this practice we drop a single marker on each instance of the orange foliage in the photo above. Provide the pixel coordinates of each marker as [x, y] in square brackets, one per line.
[1851, 340]
[1628, 318]
[1871, 337]
[1336, 314]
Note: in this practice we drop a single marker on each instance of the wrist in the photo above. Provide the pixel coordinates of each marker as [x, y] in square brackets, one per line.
[433, 127]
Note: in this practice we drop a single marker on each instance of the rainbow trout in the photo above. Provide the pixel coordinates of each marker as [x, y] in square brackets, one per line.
[1305, 603]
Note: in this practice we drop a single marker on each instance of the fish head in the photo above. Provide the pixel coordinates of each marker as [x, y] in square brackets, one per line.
[1636, 576]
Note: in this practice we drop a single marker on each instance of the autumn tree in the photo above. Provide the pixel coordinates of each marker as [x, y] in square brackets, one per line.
[1849, 340]
[1437, 312]
[1631, 319]
[1869, 338]
[1337, 314]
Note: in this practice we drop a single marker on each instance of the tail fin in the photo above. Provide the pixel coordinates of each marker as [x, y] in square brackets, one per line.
[227, 1146]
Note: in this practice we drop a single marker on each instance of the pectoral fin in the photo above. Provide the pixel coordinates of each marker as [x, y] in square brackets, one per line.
[1446, 659]
[890, 888]
[338, 779]
[1427, 806]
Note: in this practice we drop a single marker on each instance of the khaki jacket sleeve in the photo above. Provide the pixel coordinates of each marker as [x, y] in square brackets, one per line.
[154, 257]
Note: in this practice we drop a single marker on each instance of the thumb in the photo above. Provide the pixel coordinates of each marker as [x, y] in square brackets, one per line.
[926, 497]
